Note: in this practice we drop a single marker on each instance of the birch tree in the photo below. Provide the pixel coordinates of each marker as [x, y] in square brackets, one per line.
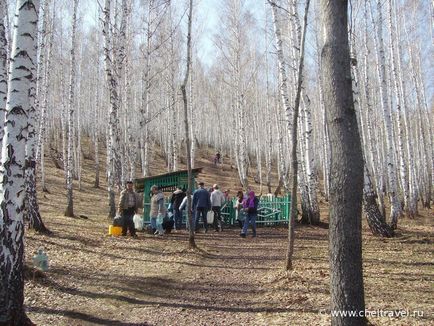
[31, 201]
[387, 118]
[192, 243]
[20, 101]
[113, 133]
[40, 150]
[69, 212]
[3, 67]
[283, 83]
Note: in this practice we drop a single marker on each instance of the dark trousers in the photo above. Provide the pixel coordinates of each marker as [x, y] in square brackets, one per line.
[201, 211]
[217, 217]
[128, 223]
[250, 219]
[178, 218]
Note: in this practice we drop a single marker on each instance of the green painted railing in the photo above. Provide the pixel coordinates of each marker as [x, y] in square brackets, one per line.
[272, 210]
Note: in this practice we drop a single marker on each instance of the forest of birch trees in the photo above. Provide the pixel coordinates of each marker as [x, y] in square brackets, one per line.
[82, 77]
[112, 75]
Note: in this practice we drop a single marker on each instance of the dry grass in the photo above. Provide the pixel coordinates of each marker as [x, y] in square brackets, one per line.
[95, 279]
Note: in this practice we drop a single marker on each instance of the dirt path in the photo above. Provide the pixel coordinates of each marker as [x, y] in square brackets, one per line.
[95, 279]
[98, 280]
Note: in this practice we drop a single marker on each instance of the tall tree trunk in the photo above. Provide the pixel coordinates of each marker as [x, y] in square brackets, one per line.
[292, 124]
[192, 243]
[283, 85]
[96, 129]
[20, 101]
[3, 68]
[146, 87]
[70, 169]
[387, 118]
[42, 136]
[314, 214]
[426, 141]
[399, 109]
[192, 117]
[346, 180]
[113, 163]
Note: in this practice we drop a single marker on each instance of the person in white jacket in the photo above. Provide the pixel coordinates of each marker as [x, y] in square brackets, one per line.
[217, 201]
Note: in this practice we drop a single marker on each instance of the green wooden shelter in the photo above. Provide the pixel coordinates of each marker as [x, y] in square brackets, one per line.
[167, 182]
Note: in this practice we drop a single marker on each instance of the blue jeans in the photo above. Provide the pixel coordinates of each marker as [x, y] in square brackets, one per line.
[178, 218]
[250, 218]
[155, 225]
[201, 211]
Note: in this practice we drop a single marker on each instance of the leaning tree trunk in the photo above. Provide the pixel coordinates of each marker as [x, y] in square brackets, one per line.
[20, 101]
[192, 243]
[375, 218]
[346, 175]
[70, 169]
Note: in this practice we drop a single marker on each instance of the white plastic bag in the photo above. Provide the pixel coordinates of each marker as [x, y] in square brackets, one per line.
[138, 222]
[210, 217]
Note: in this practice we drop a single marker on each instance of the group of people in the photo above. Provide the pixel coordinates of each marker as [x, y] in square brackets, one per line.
[204, 200]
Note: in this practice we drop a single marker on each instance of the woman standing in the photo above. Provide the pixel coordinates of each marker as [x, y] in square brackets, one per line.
[250, 206]
[239, 209]
[158, 210]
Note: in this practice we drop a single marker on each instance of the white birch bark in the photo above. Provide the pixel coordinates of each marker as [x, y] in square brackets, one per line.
[283, 85]
[20, 101]
[113, 163]
[31, 201]
[71, 96]
[45, 88]
[146, 87]
[311, 182]
[400, 110]
[192, 115]
[381, 75]
[96, 122]
[3, 67]
[426, 139]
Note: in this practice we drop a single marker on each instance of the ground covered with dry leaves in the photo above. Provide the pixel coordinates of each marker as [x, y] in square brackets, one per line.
[95, 279]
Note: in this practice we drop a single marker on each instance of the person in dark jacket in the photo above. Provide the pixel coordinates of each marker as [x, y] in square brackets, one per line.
[128, 205]
[176, 200]
[201, 205]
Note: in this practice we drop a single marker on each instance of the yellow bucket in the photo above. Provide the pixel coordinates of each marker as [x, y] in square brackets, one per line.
[115, 230]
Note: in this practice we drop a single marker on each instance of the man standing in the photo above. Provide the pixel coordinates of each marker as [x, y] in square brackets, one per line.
[201, 205]
[217, 200]
[176, 200]
[127, 208]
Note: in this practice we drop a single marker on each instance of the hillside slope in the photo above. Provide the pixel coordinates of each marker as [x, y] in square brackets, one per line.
[95, 279]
